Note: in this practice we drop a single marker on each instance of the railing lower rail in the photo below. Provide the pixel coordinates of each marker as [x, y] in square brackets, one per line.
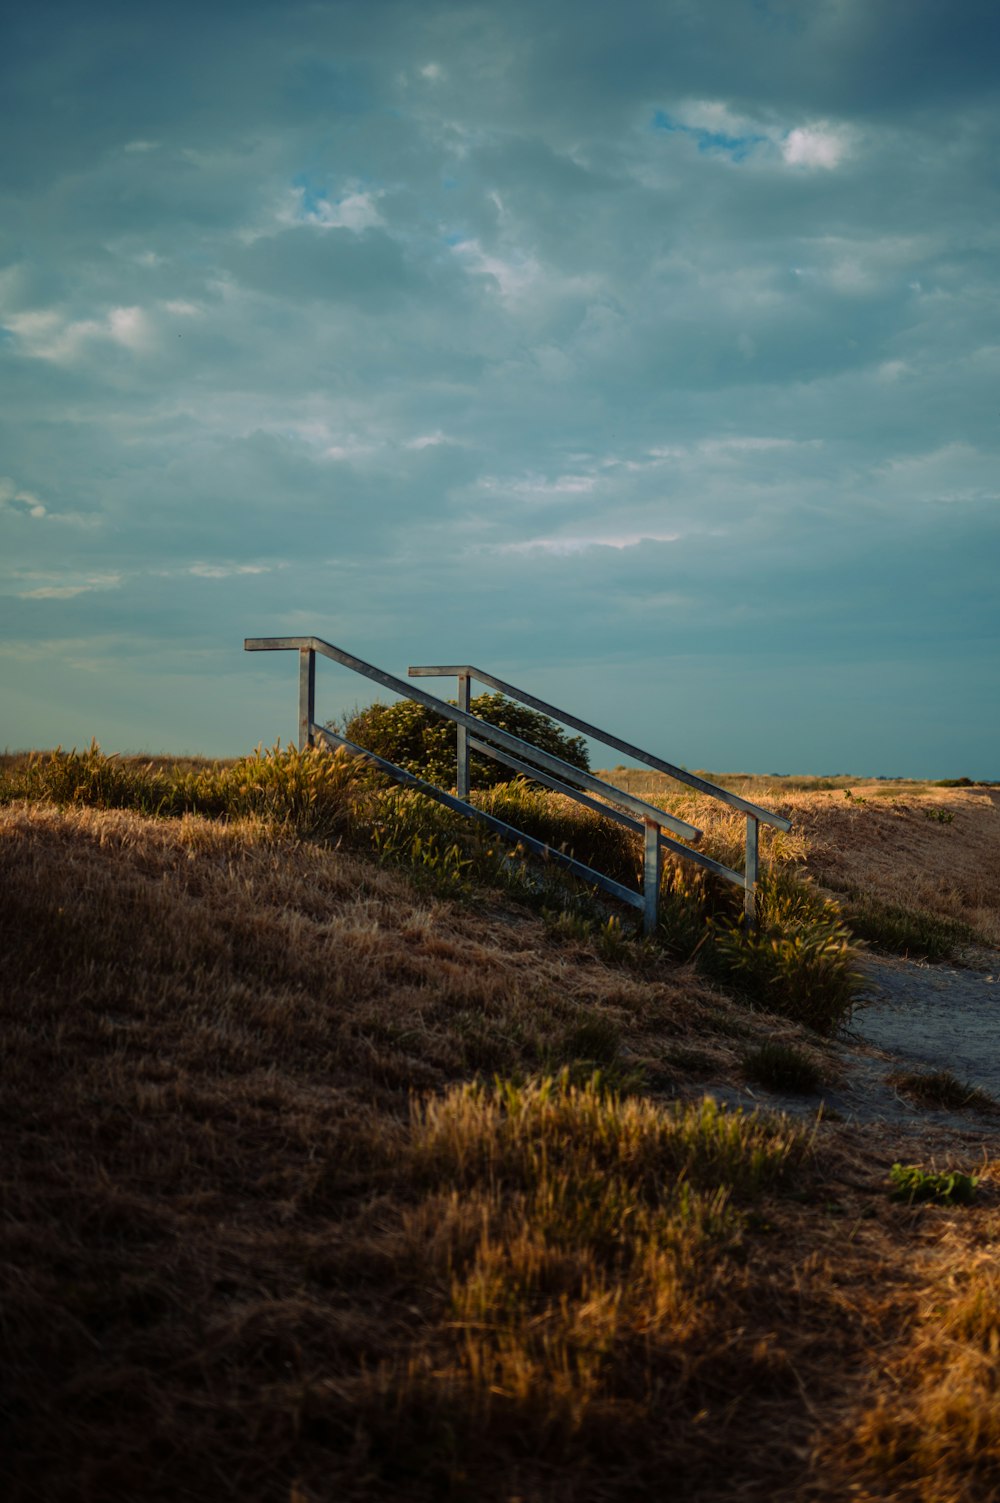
[474, 733]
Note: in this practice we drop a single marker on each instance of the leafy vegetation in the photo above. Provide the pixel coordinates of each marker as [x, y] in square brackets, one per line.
[424, 743]
[911, 1183]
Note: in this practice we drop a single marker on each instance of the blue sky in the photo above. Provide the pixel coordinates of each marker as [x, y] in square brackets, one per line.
[645, 355]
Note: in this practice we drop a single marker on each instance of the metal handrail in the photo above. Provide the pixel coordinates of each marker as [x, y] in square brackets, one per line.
[755, 815]
[765, 816]
[490, 740]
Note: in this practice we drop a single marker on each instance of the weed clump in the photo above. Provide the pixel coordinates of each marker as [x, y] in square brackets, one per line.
[903, 931]
[783, 1067]
[800, 961]
[942, 1090]
[950, 1187]
[308, 793]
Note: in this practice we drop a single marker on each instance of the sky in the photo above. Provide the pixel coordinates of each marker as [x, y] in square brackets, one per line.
[644, 355]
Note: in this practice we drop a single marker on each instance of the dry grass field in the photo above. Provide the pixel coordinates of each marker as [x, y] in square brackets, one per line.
[321, 1183]
[901, 844]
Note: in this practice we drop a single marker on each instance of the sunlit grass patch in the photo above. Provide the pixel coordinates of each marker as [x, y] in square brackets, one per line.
[588, 1241]
[932, 1432]
[308, 792]
[521, 1134]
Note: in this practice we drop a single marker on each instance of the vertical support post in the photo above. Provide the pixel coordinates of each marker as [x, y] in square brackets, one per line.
[462, 769]
[750, 879]
[307, 695]
[651, 877]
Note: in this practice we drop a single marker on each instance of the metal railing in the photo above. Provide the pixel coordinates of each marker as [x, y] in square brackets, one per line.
[755, 815]
[476, 734]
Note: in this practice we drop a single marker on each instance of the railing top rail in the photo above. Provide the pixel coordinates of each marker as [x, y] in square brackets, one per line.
[479, 727]
[766, 816]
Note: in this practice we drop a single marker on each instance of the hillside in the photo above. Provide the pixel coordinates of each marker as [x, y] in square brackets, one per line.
[312, 1191]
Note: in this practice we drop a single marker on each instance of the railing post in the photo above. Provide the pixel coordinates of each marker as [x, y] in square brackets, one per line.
[651, 877]
[307, 695]
[750, 879]
[462, 769]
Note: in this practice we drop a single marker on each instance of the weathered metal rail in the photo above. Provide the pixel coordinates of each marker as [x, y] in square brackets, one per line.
[476, 734]
[755, 815]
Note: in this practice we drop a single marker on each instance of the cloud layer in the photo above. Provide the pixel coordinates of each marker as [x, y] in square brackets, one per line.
[646, 356]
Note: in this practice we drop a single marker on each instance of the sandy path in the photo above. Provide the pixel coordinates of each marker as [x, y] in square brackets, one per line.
[934, 1017]
[915, 1017]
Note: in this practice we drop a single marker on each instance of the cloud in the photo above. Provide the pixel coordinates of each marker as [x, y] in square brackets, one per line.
[11, 495]
[672, 341]
[226, 571]
[562, 546]
[69, 590]
[815, 146]
[355, 210]
[48, 334]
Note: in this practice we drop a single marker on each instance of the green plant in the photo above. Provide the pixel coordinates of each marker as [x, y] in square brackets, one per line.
[423, 742]
[904, 931]
[941, 816]
[941, 1089]
[309, 792]
[595, 1039]
[800, 961]
[783, 1067]
[951, 1187]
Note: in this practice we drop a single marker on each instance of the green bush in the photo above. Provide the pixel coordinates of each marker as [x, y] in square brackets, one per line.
[424, 743]
[783, 1067]
[800, 962]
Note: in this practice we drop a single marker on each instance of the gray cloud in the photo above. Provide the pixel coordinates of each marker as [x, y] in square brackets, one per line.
[648, 347]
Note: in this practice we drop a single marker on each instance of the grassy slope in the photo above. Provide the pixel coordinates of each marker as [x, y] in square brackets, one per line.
[881, 846]
[241, 1259]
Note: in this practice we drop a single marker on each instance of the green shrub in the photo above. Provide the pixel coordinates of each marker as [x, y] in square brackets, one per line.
[800, 961]
[903, 931]
[783, 1067]
[424, 743]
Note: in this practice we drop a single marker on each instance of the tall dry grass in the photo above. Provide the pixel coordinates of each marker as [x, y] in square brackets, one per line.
[272, 1230]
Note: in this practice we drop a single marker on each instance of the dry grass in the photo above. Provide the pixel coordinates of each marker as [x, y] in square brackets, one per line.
[271, 1232]
[926, 1427]
[915, 848]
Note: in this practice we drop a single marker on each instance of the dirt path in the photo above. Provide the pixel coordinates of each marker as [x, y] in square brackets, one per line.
[916, 1017]
[934, 1017]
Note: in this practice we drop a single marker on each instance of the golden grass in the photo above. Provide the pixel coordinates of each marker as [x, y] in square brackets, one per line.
[914, 846]
[926, 1428]
[271, 1232]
